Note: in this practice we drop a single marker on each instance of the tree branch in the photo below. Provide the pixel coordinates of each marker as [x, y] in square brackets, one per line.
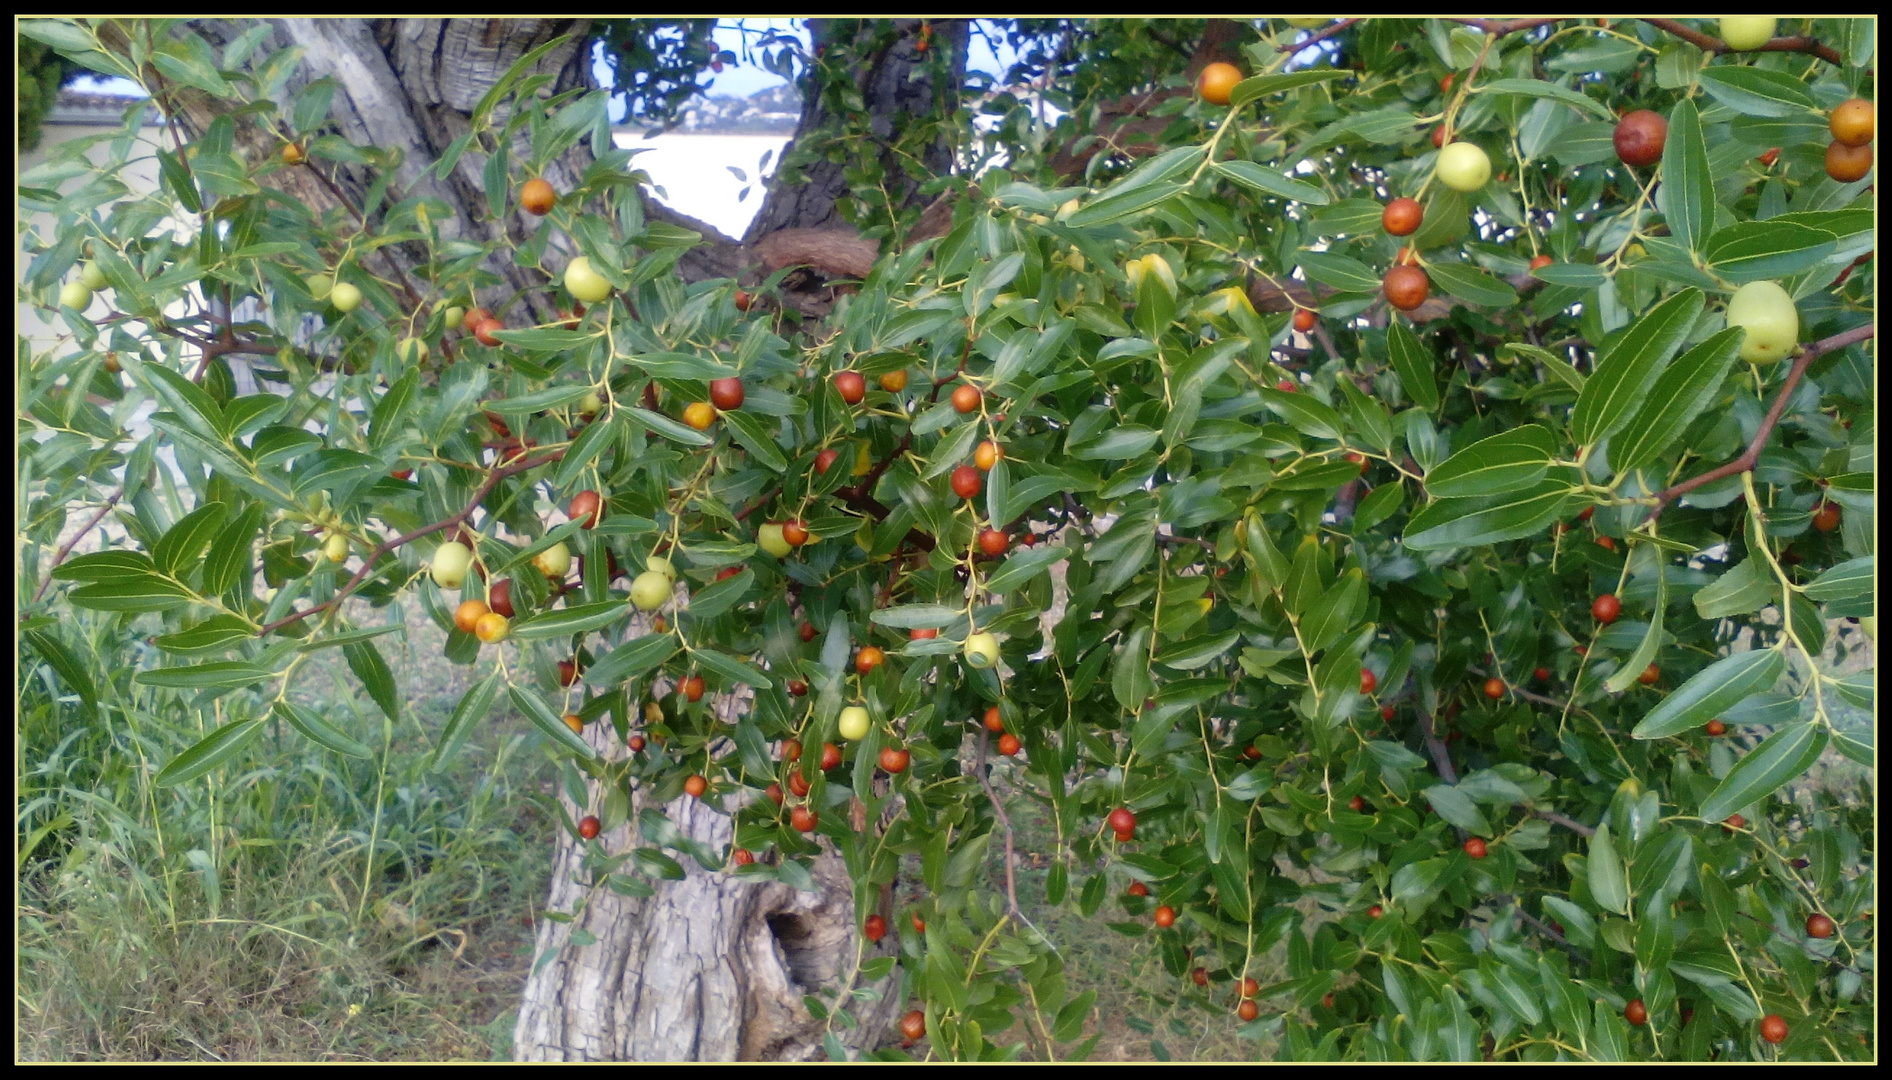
[1317, 37]
[1436, 747]
[1752, 454]
[367, 564]
[1713, 44]
[1501, 27]
[1572, 824]
[978, 768]
[65, 549]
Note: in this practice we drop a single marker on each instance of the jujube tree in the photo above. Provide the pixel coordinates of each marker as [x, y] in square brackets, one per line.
[1433, 482]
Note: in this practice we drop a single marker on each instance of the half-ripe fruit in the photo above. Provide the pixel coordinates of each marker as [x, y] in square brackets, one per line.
[869, 658]
[492, 628]
[695, 786]
[467, 615]
[1217, 81]
[1008, 744]
[1605, 608]
[794, 533]
[894, 381]
[1494, 688]
[554, 561]
[893, 760]
[825, 459]
[993, 721]
[1850, 122]
[966, 398]
[986, 455]
[536, 197]
[699, 415]
[572, 721]
[1846, 164]
[1304, 320]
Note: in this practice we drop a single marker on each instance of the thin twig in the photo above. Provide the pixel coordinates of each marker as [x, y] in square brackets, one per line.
[1752, 454]
[1572, 824]
[1501, 27]
[1436, 746]
[1710, 43]
[1317, 37]
[978, 768]
[367, 564]
[65, 549]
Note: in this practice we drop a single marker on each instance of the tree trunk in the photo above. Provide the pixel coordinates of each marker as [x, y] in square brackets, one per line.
[709, 968]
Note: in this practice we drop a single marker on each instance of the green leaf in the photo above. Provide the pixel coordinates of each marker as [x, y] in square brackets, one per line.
[1687, 193]
[1754, 91]
[1538, 88]
[1333, 612]
[391, 411]
[1022, 566]
[752, 434]
[1843, 582]
[1270, 182]
[65, 664]
[218, 674]
[1782, 757]
[549, 722]
[563, 622]
[714, 599]
[631, 659]
[1338, 271]
[1508, 461]
[188, 400]
[1608, 885]
[372, 669]
[214, 634]
[1712, 691]
[1623, 375]
[594, 440]
[682, 366]
[1639, 660]
[1747, 588]
[1197, 652]
[472, 708]
[731, 668]
[187, 539]
[668, 428]
[320, 731]
[917, 616]
[1119, 205]
[1416, 879]
[1304, 413]
[1262, 85]
[1130, 677]
[209, 752]
[104, 566]
[1457, 808]
[1681, 393]
[1472, 285]
[1450, 523]
[1762, 250]
[1413, 365]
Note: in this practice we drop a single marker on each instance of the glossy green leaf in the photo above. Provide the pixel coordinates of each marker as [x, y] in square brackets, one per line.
[319, 731]
[1450, 523]
[471, 709]
[1782, 757]
[549, 722]
[1413, 365]
[1624, 374]
[218, 674]
[1508, 461]
[210, 752]
[1711, 691]
[1609, 886]
[1687, 387]
[366, 661]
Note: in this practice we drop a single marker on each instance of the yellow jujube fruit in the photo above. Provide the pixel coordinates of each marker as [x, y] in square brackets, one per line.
[92, 277]
[554, 561]
[1463, 167]
[1767, 313]
[982, 650]
[345, 297]
[662, 566]
[650, 590]
[75, 295]
[854, 723]
[584, 283]
[1744, 32]
[451, 560]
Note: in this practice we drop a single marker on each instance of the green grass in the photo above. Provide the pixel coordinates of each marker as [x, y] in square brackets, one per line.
[303, 906]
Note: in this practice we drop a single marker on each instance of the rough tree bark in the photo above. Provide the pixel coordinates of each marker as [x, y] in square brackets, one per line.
[707, 968]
